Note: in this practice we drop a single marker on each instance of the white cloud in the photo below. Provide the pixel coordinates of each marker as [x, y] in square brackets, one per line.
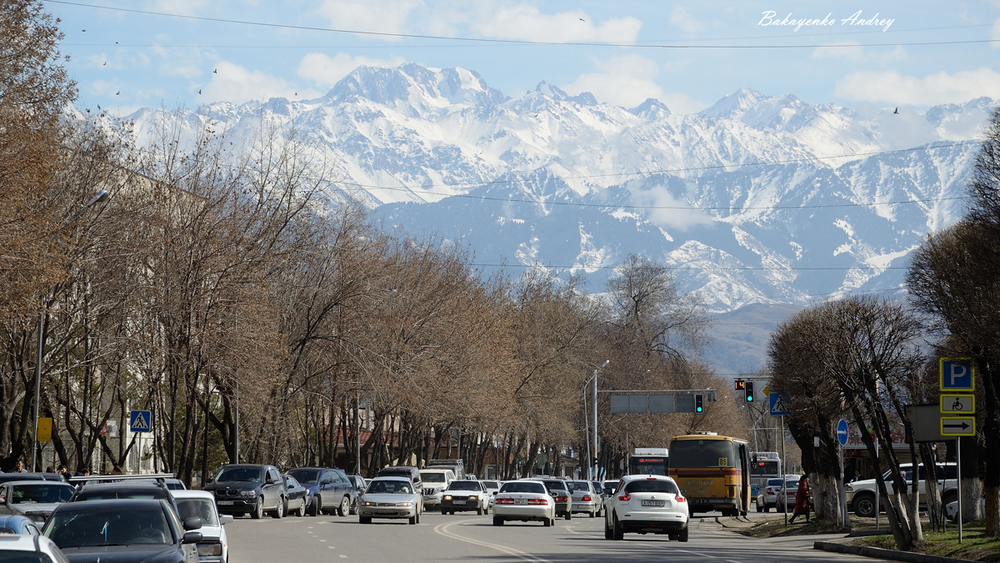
[940, 88]
[382, 16]
[526, 23]
[682, 103]
[684, 20]
[325, 71]
[624, 81]
[236, 84]
[668, 210]
[180, 7]
[847, 50]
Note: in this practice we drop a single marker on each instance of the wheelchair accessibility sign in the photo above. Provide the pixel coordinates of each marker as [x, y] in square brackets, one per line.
[958, 404]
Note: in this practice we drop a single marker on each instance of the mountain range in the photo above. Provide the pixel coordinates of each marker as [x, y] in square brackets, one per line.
[756, 200]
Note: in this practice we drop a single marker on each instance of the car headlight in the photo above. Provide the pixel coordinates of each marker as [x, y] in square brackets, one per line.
[368, 503]
[447, 497]
[473, 497]
[248, 494]
[404, 504]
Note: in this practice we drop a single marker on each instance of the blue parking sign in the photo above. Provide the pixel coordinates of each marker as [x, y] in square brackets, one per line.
[957, 374]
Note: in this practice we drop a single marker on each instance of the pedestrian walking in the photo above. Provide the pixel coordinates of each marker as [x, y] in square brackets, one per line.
[802, 496]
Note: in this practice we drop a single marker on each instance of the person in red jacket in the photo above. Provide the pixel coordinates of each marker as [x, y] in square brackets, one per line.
[802, 499]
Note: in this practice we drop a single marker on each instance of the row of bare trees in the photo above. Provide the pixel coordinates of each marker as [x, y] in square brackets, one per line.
[871, 357]
[224, 286]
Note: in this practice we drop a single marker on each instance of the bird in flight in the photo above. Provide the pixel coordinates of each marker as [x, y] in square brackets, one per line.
[896, 112]
[216, 71]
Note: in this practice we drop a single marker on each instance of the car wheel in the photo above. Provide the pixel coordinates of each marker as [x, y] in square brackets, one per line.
[607, 531]
[683, 534]
[548, 522]
[618, 532]
[279, 512]
[759, 507]
[258, 509]
[365, 519]
[593, 514]
[302, 509]
[497, 521]
[418, 517]
[345, 506]
[314, 506]
[767, 508]
[413, 519]
[479, 510]
[864, 505]
[569, 516]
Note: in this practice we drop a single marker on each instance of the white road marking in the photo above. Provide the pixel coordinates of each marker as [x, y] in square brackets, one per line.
[444, 530]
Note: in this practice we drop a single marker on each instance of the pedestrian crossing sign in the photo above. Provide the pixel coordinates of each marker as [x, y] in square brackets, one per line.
[780, 403]
[141, 421]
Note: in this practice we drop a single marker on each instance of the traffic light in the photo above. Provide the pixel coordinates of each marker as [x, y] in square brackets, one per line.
[749, 391]
[699, 403]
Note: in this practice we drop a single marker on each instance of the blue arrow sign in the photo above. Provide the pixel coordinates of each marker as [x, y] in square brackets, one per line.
[842, 432]
[140, 421]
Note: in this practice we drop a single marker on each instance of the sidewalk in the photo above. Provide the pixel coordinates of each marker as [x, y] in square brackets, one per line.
[833, 543]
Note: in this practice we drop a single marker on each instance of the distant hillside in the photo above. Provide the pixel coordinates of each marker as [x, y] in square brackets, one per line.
[741, 337]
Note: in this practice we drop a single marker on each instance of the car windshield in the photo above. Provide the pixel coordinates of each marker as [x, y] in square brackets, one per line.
[244, 474]
[555, 486]
[432, 477]
[79, 528]
[203, 508]
[773, 482]
[515, 487]
[491, 484]
[31, 494]
[464, 486]
[389, 488]
[655, 486]
[579, 486]
[113, 494]
[305, 476]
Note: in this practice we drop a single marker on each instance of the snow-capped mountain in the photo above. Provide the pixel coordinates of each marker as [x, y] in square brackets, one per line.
[756, 199]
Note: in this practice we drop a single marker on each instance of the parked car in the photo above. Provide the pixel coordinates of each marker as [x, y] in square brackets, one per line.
[767, 498]
[951, 509]
[17, 524]
[329, 489]
[214, 544]
[390, 497]
[35, 499]
[786, 493]
[465, 495]
[524, 500]
[562, 495]
[123, 530]
[297, 496]
[249, 489]
[435, 481]
[585, 498]
[124, 490]
[647, 504]
[38, 549]
[4, 477]
[861, 494]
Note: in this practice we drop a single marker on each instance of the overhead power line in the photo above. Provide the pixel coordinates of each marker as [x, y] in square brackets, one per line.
[642, 45]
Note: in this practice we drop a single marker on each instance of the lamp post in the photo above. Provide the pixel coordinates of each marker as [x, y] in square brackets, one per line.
[99, 197]
[593, 398]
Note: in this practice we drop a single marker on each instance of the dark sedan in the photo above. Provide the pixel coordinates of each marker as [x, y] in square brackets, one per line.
[123, 531]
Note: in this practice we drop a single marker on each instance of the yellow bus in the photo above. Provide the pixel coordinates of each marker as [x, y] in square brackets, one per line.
[712, 471]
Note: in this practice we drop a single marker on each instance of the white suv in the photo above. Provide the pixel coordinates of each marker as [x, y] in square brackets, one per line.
[647, 504]
[435, 482]
[861, 494]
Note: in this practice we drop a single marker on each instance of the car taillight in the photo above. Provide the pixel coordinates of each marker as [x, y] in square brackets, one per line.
[679, 498]
[538, 501]
[562, 499]
[586, 498]
[504, 501]
[626, 497]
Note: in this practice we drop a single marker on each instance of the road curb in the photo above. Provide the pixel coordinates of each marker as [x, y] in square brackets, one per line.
[879, 553]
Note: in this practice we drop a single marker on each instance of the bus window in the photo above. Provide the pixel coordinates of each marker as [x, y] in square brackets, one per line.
[703, 453]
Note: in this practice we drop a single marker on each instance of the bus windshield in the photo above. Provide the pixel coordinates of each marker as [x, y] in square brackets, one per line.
[647, 465]
[703, 453]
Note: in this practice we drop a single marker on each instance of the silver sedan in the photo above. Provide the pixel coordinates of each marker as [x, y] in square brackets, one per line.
[389, 497]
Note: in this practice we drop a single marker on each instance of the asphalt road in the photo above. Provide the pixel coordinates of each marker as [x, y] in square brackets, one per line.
[473, 538]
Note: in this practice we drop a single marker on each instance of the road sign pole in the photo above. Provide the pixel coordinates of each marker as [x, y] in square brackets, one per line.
[958, 473]
[784, 471]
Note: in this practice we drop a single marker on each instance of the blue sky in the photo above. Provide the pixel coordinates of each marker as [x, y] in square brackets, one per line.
[173, 53]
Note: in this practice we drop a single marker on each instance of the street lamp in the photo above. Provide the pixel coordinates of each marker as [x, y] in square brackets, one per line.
[99, 197]
[593, 398]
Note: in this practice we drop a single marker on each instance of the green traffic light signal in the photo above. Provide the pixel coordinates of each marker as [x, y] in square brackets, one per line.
[749, 391]
[699, 403]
